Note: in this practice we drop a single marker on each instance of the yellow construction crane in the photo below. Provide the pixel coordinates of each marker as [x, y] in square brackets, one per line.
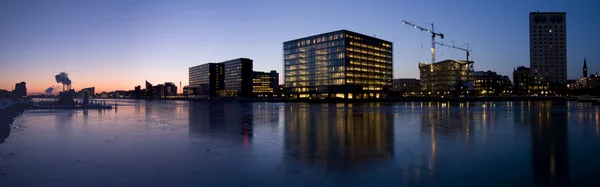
[433, 35]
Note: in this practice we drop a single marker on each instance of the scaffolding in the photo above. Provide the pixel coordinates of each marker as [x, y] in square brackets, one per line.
[438, 78]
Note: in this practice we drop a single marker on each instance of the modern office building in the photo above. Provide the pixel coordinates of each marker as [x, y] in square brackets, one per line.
[237, 79]
[440, 77]
[264, 84]
[548, 48]
[20, 89]
[206, 79]
[232, 78]
[521, 80]
[339, 64]
[407, 87]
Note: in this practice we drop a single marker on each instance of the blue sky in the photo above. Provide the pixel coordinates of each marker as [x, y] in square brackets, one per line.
[119, 44]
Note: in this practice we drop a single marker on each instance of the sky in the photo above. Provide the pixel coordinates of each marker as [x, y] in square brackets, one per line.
[117, 44]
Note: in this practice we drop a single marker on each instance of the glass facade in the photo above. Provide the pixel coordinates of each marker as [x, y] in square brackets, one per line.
[237, 78]
[340, 64]
[440, 77]
[206, 79]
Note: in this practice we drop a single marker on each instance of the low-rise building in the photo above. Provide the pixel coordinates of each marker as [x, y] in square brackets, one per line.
[91, 92]
[489, 83]
[170, 89]
[521, 81]
[407, 86]
[265, 84]
[20, 89]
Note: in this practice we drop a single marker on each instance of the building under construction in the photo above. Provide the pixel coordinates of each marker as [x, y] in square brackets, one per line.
[440, 77]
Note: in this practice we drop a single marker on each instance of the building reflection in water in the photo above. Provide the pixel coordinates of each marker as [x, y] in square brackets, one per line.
[338, 134]
[221, 119]
[440, 121]
[63, 122]
[550, 153]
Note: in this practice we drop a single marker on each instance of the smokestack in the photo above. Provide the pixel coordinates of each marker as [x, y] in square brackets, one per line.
[63, 78]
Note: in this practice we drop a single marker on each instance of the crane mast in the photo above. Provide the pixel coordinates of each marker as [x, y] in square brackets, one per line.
[433, 35]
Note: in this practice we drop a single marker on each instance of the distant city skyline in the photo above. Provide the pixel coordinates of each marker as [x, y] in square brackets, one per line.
[116, 45]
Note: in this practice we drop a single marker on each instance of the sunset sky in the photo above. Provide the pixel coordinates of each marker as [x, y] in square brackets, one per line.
[116, 45]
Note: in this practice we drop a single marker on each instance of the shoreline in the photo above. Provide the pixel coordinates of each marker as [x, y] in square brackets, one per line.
[402, 99]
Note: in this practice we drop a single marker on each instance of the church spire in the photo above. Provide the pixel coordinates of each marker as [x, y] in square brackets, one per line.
[585, 74]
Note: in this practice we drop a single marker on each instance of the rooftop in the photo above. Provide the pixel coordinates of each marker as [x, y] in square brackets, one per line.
[338, 31]
[422, 64]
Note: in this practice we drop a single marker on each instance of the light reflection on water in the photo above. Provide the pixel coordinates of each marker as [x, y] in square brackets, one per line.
[181, 143]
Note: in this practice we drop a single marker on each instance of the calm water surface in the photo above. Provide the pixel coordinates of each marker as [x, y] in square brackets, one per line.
[180, 143]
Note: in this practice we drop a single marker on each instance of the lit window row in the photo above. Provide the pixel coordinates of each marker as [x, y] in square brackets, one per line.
[370, 64]
[353, 37]
[370, 58]
[358, 75]
[368, 82]
[370, 47]
[316, 83]
[365, 52]
[319, 40]
[363, 69]
[372, 88]
[320, 57]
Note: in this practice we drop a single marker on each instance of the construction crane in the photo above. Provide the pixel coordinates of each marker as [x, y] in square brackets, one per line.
[433, 35]
[462, 49]
[459, 48]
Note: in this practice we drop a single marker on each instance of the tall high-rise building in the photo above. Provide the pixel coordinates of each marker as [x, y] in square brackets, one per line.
[339, 64]
[548, 47]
